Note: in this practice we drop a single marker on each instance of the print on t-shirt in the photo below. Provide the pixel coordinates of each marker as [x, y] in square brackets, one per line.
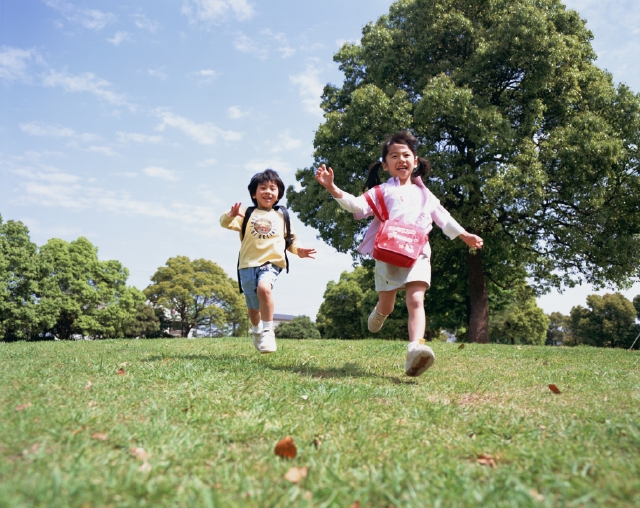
[262, 228]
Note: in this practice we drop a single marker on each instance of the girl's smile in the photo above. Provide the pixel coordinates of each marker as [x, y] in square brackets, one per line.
[266, 195]
[400, 162]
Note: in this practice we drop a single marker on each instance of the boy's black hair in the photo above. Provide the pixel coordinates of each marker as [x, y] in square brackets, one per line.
[404, 137]
[268, 175]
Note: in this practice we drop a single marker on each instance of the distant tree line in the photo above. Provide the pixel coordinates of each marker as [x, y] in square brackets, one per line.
[63, 291]
[609, 321]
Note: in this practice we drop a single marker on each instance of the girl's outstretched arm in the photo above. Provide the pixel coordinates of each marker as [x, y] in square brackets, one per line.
[324, 177]
[473, 241]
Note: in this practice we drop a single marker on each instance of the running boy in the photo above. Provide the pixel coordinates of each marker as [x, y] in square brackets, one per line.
[263, 252]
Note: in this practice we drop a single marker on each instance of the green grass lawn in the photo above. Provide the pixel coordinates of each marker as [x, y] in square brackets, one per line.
[209, 412]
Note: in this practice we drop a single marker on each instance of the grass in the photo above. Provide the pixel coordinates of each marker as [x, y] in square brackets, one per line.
[209, 412]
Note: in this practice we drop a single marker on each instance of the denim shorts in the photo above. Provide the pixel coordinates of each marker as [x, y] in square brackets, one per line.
[250, 277]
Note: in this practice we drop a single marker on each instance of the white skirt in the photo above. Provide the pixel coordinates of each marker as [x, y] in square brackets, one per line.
[390, 277]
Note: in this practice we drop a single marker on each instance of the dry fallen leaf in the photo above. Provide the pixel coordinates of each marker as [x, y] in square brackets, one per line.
[317, 441]
[89, 385]
[307, 495]
[401, 421]
[92, 403]
[536, 495]
[123, 364]
[139, 453]
[99, 436]
[554, 388]
[542, 427]
[22, 407]
[518, 347]
[305, 397]
[295, 474]
[74, 432]
[145, 467]
[485, 459]
[472, 435]
[355, 505]
[286, 448]
[461, 346]
[121, 371]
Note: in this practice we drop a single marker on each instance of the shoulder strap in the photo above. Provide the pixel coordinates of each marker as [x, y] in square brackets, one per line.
[381, 212]
[287, 233]
[245, 221]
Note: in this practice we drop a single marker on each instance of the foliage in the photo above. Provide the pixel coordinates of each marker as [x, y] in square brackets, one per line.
[559, 331]
[209, 413]
[609, 321]
[300, 327]
[522, 322]
[200, 293]
[144, 323]
[533, 147]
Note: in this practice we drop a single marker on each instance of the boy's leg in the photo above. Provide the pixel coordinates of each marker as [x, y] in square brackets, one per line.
[265, 295]
[249, 280]
[384, 307]
[254, 316]
[419, 356]
[266, 279]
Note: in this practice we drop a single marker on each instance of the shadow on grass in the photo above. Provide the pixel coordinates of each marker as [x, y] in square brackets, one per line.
[348, 370]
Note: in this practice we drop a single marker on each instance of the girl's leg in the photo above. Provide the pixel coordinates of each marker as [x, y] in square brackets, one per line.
[386, 302]
[415, 306]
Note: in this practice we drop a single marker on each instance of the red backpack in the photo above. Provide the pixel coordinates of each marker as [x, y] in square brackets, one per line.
[397, 243]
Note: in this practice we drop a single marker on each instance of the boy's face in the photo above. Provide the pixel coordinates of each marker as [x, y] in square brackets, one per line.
[266, 195]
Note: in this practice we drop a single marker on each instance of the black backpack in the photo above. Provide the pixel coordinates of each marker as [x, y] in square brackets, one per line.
[287, 234]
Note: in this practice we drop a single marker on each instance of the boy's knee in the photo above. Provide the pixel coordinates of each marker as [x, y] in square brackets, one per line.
[264, 290]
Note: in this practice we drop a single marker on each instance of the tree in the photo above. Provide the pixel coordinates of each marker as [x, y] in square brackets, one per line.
[608, 322]
[300, 327]
[199, 292]
[532, 146]
[522, 322]
[339, 313]
[144, 323]
[559, 331]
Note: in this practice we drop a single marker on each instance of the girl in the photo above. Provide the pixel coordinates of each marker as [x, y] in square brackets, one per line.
[409, 201]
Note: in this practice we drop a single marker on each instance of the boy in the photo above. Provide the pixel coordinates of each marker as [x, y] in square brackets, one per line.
[263, 252]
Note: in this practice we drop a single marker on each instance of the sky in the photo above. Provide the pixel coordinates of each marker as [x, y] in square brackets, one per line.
[137, 124]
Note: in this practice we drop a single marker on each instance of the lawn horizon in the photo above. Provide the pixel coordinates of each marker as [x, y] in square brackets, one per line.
[480, 428]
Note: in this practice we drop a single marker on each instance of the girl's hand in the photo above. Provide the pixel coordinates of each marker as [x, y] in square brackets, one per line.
[235, 211]
[473, 241]
[306, 253]
[324, 176]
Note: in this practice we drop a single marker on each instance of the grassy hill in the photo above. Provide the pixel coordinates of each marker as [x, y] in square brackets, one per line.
[194, 423]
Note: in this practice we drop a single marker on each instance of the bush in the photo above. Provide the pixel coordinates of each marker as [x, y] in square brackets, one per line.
[300, 327]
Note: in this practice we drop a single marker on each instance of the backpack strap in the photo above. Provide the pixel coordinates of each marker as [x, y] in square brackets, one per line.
[287, 234]
[381, 212]
[245, 221]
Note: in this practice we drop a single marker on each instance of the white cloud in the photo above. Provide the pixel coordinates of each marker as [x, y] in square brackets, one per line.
[310, 88]
[14, 62]
[234, 112]
[207, 75]
[207, 162]
[124, 137]
[119, 38]
[104, 150]
[87, 82]
[143, 23]
[286, 51]
[285, 143]
[204, 133]
[89, 18]
[246, 44]
[216, 10]
[55, 131]
[158, 73]
[161, 173]
[258, 165]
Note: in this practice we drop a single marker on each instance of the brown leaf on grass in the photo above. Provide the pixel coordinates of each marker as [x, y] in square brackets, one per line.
[484, 459]
[286, 448]
[139, 453]
[76, 431]
[92, 403]
[542, 427]
[89, 385]
[536, 495]
[554, 388]
[461, 346]
[22, 407]
[186, 409]
[317, 441]
[295, 474]
[355, 505]
[121, 371]
[99, 436]
[401, 421]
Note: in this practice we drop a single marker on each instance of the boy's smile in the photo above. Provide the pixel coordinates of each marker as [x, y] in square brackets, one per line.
[266, 195]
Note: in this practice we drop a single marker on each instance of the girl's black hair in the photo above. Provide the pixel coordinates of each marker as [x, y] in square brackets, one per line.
[268, 175]
[399, 138]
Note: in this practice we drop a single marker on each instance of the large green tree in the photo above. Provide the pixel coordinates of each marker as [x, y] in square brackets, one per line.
[533, 147]
[200, 293]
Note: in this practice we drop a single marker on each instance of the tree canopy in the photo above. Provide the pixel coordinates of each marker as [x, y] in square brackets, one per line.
[300, 327]
[533, 147]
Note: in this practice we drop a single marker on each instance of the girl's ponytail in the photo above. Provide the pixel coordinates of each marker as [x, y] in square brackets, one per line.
[422, 169]
[373, 178]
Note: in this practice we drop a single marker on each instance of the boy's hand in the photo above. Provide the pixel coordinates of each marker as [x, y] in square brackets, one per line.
[306, 253]
[324, 176]
[235, 211]
[473, 241]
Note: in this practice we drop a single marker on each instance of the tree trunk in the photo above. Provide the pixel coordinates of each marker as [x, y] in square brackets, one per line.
[479, 316]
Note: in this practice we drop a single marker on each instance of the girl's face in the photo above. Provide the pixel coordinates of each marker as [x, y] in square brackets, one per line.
[400, 162]
[266, 195]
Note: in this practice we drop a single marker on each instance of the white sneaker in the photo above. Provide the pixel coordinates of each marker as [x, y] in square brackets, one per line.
[256, 340]
[376, 320]
[268, 342]
[419, 359]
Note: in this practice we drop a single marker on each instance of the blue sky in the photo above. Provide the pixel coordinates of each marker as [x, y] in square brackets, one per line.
[136, 124]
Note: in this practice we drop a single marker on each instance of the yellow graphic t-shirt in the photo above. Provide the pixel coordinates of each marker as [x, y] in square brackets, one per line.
[264, 237]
